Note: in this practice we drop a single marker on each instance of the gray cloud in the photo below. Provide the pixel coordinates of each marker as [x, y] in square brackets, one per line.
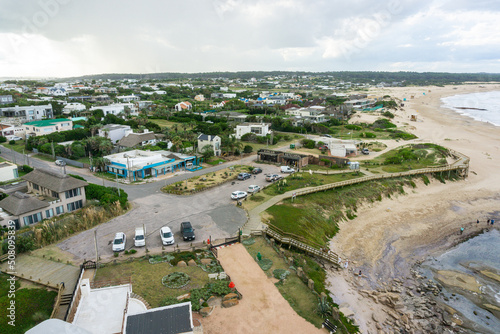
[70, 37]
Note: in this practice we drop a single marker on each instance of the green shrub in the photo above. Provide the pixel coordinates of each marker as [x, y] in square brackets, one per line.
[27, 168]
[369, 135]
[388, 114]
[425, 179]
[132, 251]
[353, 127]
[116, 254]
[12, 142]
[3, 139]
[248, 149]
[265, 264]
[280, 274]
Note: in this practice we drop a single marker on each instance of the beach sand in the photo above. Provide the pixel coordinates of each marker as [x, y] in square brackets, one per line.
[388, 237]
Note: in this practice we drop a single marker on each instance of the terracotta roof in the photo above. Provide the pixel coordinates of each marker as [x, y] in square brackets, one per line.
[53, 180]
[19, 203]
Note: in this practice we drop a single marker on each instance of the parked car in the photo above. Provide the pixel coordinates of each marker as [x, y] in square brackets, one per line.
[60, 163]
[140, 237]
[187, 231]
[166, 235]
[238, 194]
[119, 242]
[365, 151]
[326, 135]
[253, 188]
[14, 138]
[256, 170]
[244, 176]
[272, 177]
[287, 169]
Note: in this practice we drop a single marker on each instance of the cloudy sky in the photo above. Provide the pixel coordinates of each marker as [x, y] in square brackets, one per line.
[60, 38]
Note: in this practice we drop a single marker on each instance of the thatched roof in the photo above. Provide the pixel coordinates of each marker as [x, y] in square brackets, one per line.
[19, 203]
[134, 139]
[53, 180]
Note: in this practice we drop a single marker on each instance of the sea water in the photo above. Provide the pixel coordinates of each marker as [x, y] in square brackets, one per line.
[484, 107]
[479, 253]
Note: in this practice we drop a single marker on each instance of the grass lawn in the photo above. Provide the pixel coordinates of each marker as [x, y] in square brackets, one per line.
[298, 295]
[43, 157]
[316, 216]
[304, 179]
[146, 278]
[215, 162]
[163, 123]
[32, 307]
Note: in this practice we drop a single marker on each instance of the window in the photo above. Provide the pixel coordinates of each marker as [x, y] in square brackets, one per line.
[49, 213]
[28, 220]
[74, 206]
[54, 194]
[72, 192]
[60, 210]
[36, 187]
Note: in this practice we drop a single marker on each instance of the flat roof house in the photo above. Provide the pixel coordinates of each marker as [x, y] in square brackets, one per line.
[115, 132]
[49, 194]
[139, 164]
[8, 171]
[44, 127]
[259, 129]
[28, 113]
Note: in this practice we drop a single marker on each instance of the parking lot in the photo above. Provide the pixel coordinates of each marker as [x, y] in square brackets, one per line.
[212, 213]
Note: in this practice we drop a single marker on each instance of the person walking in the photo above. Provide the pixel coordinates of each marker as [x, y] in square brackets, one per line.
[478, 221]
[492, 222]
[461, 230]
[488, 222]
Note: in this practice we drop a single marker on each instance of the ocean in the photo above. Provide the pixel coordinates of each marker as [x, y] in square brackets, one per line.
[470, 274]
[484, 107]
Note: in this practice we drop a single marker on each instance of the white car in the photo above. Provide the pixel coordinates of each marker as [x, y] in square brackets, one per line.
[60, 162]
[140, 237]
[119, 242]
[253, 188]
[14, 138]
[238, 194]
[167, 237]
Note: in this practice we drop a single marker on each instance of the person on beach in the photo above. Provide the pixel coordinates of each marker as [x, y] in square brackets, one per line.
[478, 221]
[359, 273]
[461, 230]
[488, 222]
[492, 221]
[346, 264]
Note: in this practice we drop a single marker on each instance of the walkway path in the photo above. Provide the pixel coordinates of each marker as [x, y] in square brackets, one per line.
[262, 309]
[45, 270]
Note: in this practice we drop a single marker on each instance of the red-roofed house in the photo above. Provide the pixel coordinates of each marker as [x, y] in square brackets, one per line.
[183, 106]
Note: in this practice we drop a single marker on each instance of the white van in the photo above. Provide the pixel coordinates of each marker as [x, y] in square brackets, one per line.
[287, 169]
[140, 237]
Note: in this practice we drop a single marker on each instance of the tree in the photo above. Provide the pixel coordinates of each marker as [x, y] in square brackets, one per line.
[207, 152]
[248, 149]
[101, 163]
[176, 142]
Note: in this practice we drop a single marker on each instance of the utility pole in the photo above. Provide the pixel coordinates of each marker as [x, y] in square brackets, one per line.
[129, 172]
[95, 243]
[13, 155]
[117, 184]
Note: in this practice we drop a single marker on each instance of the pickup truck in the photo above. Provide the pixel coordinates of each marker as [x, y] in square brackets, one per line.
[287, 169]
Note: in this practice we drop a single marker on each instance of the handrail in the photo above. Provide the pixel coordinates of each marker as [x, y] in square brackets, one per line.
[58, 301]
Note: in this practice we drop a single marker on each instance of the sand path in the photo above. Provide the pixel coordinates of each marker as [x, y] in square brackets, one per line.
[262, 309]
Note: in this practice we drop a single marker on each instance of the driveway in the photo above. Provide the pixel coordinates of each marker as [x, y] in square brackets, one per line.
[212, 213]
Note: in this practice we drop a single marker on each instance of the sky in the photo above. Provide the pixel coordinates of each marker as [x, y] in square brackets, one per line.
[63, 38]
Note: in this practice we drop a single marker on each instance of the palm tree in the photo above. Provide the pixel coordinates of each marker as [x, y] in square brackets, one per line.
[177, 142]
[101, 163]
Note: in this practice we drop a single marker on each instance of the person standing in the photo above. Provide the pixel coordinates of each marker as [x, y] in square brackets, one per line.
[478, 221]
[461, 230]
[492, 222]
[488, 222]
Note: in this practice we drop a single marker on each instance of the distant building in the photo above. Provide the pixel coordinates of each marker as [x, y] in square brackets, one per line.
[6, 99]
[128, 98]
[116, 108]
[132, 140]
[259, 129]
[213, 141]
[73, 107]
[28, 113]
[8, 131]
[45, 127]
[200, 98]
[183, 106]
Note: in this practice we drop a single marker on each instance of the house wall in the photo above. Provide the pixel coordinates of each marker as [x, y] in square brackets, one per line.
[45, 130]
[259, 130]
[29, 113]
[116, 134]
[215, 143]
[8, 172]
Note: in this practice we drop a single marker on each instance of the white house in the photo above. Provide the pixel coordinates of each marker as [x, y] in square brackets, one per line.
[57, 91]
[6, 99]
[73, 107]
[8, 171]
[229, 95]
[29, 113]
[260, 129]
[115, 132]
[128, 98]
[8, 131]
[116, 108]
[183, 106]
[200, 98]
[213, 141]
[47, 126]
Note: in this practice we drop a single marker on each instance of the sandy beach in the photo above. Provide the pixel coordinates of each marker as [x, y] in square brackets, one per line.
[387, 238]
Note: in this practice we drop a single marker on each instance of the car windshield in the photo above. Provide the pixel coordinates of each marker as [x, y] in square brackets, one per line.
[167, 234]
[139, 237]
[188, 229]
[118, 241]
